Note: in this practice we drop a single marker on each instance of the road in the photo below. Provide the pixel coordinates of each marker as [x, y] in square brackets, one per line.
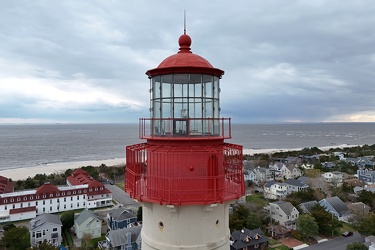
[338, 243]
[120, 196]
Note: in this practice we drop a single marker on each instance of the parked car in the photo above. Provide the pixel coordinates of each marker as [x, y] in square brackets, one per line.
[347, 234]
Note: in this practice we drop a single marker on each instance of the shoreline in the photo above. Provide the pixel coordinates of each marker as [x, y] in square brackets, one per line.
[25, 172]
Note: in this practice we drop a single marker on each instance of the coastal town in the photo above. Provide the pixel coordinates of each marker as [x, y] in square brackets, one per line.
[294, 200]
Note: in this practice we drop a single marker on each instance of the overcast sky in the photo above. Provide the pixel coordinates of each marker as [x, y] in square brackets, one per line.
[284, 61]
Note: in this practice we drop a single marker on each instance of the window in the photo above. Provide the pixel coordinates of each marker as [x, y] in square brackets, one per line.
[71, 205]
[44, 209]
[38, 234]
[31, 197]
[74, 192]
[79, 191]
[5, 201]
[64, 199]
[77, 198]
[18, 199]
[51, 195]
[36, 203]
[63, 193]
[37, 197]
[71, 198]
[50, 201]
[14, 206]
[50, 209]
[25, 198]
[44, 202]
[5, 207]
[54, 229]
[11, 200]
[64, 206]
[77, 204]
[44, 196]
[21, 204]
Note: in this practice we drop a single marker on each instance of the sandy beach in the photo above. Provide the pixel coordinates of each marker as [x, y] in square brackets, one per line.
[24, 173]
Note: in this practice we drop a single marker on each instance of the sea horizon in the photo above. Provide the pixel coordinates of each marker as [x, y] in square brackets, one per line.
[31, 145]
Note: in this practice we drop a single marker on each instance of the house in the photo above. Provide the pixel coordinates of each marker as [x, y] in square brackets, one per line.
[87, 223]
[23, 205]
[328, 164]
[366, 176]
[275, 190]
[358, 208]
[122, 239]
[120, 218]
[262, 174]
[45, 227]
[284, 213]
[306, 207]
[278, 231]
[294, 185]
[6, 186]
[250, 175]
[333, 177]
[248, 239]
[290, 171]
[335, 206]
[354, 182]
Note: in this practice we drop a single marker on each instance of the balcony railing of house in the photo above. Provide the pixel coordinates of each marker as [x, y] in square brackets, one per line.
[192, 128]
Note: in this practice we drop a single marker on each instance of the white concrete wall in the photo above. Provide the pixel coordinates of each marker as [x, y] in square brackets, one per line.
[185, 227]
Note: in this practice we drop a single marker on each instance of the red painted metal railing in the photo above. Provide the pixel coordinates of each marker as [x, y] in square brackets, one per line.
[182, 174]
[190, 128]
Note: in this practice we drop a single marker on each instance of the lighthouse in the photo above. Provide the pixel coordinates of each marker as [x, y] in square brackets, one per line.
[185, 175]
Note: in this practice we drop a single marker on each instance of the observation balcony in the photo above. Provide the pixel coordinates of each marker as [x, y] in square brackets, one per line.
[185, 128]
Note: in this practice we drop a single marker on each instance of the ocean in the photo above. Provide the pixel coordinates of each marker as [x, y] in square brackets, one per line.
[34, 145]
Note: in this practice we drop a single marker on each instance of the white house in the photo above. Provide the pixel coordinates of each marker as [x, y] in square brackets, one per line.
[290, 171]
[284, 213]
[275, 190]
[333, 177]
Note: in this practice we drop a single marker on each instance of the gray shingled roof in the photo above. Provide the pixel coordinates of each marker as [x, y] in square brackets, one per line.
[337, 204]
[118, 237]
[120, 214]
[309, 205]
[269, 183]
[84, 215]
[286, 206]
[45, 218]
[295, 182]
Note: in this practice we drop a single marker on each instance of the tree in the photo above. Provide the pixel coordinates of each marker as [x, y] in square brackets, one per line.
[239, 217]
[356, 246]
[367, 197]
[86, 242]
[366, 226]
[326, 221]
[67, 219]
[253, 221]
[16, 238]
[307, 226]
[44, 246]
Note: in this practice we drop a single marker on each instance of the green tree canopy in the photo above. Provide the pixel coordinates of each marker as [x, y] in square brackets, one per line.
[67, 219]
[239, 217]
[367, 197]
[326, 222]
[16, 238]
[366, 226]
[307, 226]
[356, 246]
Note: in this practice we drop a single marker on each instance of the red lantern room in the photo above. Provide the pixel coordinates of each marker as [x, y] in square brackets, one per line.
[185, 159]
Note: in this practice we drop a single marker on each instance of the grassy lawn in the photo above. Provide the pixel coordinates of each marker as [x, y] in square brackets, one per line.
[120, 185]
[346, 227]
[257, 199]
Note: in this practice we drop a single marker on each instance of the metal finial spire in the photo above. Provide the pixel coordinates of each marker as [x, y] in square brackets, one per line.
[184, 21]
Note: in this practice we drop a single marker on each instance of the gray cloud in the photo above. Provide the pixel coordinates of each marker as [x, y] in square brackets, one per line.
[283, 60]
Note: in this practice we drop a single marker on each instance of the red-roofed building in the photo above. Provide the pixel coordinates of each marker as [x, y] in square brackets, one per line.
[6, 186]
[52, 199]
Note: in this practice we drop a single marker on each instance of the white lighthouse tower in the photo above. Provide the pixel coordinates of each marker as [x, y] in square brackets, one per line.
[185, 175]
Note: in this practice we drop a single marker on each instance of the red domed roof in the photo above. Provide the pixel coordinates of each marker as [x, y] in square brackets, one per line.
[184, 62]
